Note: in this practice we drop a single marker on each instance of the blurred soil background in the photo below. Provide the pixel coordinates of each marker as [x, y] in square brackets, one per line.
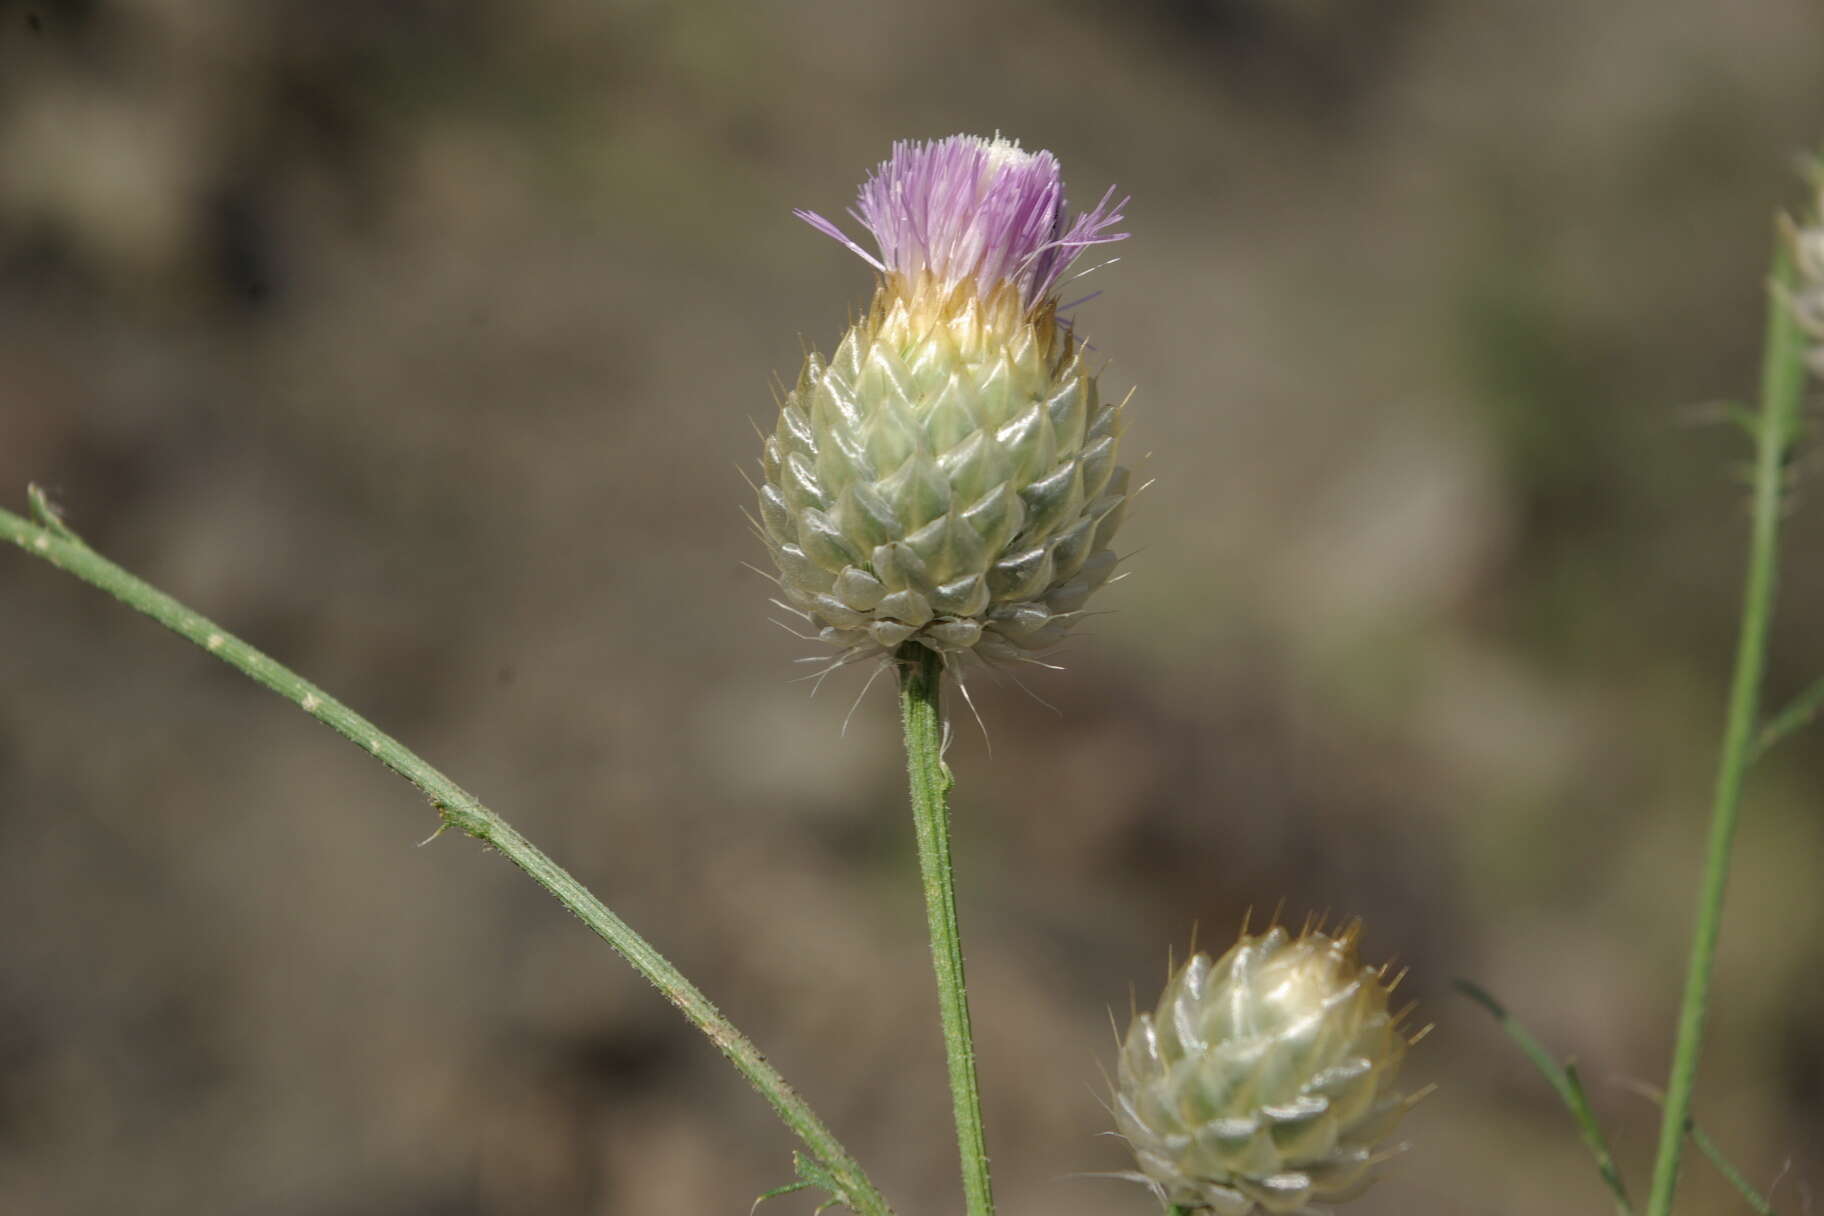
[421, 344]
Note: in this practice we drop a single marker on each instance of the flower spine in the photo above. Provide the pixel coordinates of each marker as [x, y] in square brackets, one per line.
[948, 477]
[1264, 1081]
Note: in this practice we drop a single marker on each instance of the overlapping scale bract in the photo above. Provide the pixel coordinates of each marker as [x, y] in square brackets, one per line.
[1264, 1081]
[948, 477]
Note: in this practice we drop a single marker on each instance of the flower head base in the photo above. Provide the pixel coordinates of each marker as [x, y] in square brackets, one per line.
[970, 210]
[948, 476]
[1264, 1081]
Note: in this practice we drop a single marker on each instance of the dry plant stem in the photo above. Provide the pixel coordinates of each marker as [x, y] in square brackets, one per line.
[920, 680]
[460, 809]
[1782, 386]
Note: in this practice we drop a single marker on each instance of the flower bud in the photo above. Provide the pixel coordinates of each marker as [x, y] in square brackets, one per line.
[949, 476]
[1264, 1081]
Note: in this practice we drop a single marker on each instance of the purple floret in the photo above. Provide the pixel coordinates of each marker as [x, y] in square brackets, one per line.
[971, 208]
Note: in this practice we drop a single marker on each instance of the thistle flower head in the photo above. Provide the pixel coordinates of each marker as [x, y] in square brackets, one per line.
[1264, 1081]
[968, 210]
[948, 476]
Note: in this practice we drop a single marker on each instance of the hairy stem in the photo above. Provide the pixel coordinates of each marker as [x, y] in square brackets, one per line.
[920, 680]
[57, 545]
[1782, 384]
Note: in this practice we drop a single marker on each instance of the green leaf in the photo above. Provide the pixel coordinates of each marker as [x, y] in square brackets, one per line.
[775, 1193]
[1795, 717]
[1743, 417]
[46, 515]
[812, 1175]
[1708, 1147]
[1564, 1080]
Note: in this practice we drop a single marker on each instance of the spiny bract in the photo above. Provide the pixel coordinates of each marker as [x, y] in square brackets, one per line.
[949, 476]
[1264, 1081]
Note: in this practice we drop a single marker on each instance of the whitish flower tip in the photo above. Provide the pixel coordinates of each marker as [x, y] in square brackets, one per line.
[969, 209]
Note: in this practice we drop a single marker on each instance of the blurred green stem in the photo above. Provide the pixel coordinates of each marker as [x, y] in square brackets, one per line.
[1782, 385]
[51, 540]
[921, 675]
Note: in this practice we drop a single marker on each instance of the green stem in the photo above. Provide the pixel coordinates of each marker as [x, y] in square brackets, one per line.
[1782, 384]
[61, 548]
[921, 675]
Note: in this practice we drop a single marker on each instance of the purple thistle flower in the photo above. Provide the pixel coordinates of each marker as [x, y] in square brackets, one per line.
[949, 478]
[972, 209]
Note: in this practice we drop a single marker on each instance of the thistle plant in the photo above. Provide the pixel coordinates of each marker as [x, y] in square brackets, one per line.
[945, 487]
[945, 484]
[1792, 344]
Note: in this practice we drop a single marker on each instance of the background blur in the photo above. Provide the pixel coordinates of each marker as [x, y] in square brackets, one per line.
[419, 343]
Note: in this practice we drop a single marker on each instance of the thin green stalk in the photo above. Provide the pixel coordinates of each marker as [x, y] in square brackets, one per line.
[1565, 1082]
[920, 680]
[1782, 384]
[56, 544]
